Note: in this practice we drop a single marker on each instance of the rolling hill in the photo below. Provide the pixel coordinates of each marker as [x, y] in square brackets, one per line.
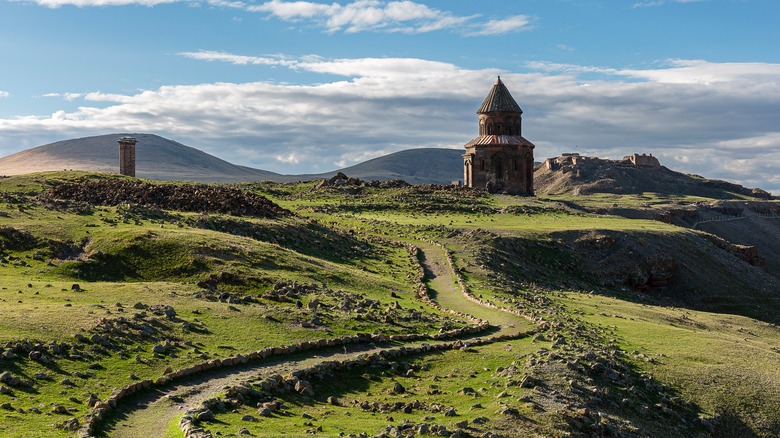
[161, 159]
[415, 166]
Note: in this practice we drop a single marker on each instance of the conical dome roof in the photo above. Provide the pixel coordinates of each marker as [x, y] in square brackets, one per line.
[499, 100]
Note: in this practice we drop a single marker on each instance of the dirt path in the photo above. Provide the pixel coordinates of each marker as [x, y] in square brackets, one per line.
[446, 291]
[152, 413]
[155, 413]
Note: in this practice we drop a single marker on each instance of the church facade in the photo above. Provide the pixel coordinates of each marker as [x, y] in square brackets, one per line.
[500, 160]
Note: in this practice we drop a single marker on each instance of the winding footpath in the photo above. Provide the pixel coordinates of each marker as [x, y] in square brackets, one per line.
[153, 412]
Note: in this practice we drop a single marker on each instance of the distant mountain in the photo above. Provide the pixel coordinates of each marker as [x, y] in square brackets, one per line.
[415, 166]
[162, 159]
[156, 158]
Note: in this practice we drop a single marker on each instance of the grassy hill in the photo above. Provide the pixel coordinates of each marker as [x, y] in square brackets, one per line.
[599, 324]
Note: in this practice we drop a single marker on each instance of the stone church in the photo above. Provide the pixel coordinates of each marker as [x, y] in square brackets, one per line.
[500, 160]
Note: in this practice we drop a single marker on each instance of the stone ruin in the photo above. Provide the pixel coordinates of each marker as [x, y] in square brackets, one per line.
[568, 161]
[127, 156]
[642, 160]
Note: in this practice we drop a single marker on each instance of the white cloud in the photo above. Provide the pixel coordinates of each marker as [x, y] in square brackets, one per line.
[396, 16]
[237, 59]
[67, 96]
[714, 119]
[88, 3]
[653, 3]
[290, 158]
[565, 48]
[97, 96]
[350, 159]
[364, 15]
[382, 68]
[679, 71]
[703, 72]
[295, 10]
[4, 94]
[503, 26]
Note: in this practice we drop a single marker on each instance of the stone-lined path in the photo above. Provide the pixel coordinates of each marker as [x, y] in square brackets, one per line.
[154, 413]
[446, 291]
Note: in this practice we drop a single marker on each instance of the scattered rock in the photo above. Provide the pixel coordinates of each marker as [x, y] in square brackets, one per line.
[71, 424]
[206, 416]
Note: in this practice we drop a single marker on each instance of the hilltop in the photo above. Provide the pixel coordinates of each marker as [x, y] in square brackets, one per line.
[582, 175]
[159, 158]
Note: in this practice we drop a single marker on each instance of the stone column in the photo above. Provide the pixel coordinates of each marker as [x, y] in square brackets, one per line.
[127, 156]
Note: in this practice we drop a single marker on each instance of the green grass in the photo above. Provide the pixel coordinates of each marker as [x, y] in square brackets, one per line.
[724, 363]
[350, 243]
[119, 260]
[438, 378]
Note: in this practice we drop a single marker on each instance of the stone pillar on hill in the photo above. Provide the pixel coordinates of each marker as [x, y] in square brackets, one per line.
[127, 156]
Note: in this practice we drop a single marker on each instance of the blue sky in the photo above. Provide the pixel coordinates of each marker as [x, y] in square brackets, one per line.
[299, 87]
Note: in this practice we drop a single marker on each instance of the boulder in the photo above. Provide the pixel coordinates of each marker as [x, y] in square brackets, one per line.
[206, 416]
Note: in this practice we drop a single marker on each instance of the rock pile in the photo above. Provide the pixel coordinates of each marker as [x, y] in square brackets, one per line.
[299, 381]
[341, 180]
[285, 292]
[199, 198]
[12, 239]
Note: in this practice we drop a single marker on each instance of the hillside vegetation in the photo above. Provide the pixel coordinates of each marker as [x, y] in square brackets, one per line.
[372, 309]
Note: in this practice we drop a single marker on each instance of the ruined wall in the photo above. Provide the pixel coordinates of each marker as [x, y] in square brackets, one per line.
[500, 169]
[642, 160]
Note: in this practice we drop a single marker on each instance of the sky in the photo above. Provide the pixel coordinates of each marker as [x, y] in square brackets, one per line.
[312, 86]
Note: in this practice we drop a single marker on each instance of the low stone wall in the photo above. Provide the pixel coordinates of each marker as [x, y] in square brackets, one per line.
[101, 408]
[191, 428]
[92, 421]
